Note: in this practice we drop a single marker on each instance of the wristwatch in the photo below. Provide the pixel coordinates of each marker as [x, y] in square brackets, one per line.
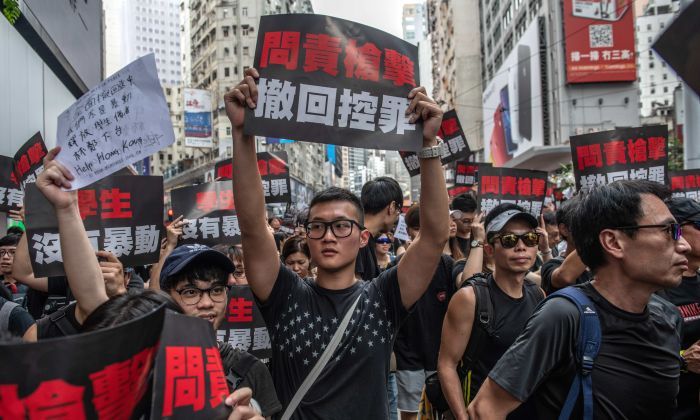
[476, 244]
[433, 151]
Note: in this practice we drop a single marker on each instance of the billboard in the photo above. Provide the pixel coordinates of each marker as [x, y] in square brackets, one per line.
[198, 118]
[599, 38]
[512, 102]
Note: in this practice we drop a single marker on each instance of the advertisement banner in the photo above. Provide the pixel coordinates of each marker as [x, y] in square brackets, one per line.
[624, 153]
[198, 131]
[523, 187]
[121, 214]
[333, 81]
[244, 326]
[274, 172]
[29, 160]
[599, 39]
[685, 183]
[11, 195]
[512, 102]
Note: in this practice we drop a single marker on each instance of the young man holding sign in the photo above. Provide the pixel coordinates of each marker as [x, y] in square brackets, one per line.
[302, 315]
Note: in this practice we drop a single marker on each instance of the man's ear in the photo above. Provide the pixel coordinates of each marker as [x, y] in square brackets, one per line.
[489, 249]
[364, 238]
[612, 242]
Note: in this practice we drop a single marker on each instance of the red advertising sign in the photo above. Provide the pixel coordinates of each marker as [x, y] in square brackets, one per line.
[599, 37]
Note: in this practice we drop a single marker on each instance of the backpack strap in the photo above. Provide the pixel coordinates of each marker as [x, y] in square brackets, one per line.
[59, 319]
[587, 348]
[483, 321]
[5, 313]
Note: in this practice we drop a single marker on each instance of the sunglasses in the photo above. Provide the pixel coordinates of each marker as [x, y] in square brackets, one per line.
[510, 240]
[384, 241]
[674, 229]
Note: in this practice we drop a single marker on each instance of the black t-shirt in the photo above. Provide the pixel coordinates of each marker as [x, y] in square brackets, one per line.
[302, 317]
[366, 265]
[686, 297]
[548, 269]
[635, 375]
[418, 340]
[60, 323]
[465, 245]
[19, 320]
[279, 238]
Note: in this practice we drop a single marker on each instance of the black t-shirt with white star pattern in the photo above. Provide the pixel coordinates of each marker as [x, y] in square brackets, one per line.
[302, 317]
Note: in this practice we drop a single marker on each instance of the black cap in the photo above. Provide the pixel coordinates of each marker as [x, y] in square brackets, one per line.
[684, 209]
[185, 255]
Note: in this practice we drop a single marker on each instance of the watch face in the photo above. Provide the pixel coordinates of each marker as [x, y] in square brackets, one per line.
[475, 243]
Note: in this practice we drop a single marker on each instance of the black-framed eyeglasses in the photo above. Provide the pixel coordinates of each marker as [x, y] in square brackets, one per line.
[8, 252]
[510, 240]
[341, 228]
[192, 295]
[674, 229]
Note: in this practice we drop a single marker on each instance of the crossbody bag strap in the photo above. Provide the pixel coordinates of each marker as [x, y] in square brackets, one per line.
[321, 363]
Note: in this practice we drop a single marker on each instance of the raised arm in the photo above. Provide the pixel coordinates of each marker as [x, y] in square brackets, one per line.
[22, 268]
[261, 259]
[569, 270]
[173, 232]
[79, 260]
[475, 260]
[418, 265]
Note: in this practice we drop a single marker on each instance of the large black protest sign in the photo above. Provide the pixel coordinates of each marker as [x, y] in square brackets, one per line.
[190, 382]
[210, 213]
[274, 172]
[466, 173]
[453, 136]
[11, 195]
[29, 160]
[523, 187]
[121, 214]
[624, 153]
[244, 327]
[685, 183]
[98, 375]
[333, 81]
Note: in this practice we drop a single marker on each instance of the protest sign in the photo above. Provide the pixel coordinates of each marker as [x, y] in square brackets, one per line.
[198, 132]
[82, 376]
[523, 187]
[466, 174]
[29, 160]
[333, 81]
[685, 183]
[244, 326]
[122, 120]
[273, 171]
[209, 211]
[11, 195]
[453, 192]
[121, 214]
[451, 133]
[624, 153]
[190, 382]
[401, 231]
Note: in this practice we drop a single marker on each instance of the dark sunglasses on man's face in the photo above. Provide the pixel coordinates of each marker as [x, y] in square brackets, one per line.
[510, 240]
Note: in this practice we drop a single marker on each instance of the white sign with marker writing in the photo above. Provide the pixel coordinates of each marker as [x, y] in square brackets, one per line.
[118, 122]
[401, 231]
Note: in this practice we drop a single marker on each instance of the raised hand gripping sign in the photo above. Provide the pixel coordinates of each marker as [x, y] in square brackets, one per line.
[120, 121]
[333, 81]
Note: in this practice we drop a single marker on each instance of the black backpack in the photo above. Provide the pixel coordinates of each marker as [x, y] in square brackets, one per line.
[57, 318]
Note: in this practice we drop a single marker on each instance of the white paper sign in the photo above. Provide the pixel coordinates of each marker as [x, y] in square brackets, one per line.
[401, 231]
[120, 121]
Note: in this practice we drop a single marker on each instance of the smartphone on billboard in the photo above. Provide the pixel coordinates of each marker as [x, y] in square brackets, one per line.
[524, 93]
[511, 146]
[499, 152]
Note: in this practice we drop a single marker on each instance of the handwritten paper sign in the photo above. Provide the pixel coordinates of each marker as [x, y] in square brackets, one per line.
[401, 231]
[120, 121]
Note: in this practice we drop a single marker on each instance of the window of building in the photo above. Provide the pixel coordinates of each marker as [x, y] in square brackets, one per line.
[665, 101]
[246, 50]
[664, 76]
[170, 157]
[226, 52]
[224, 29]
[665, 89]
[649, 39]
[244, 11]
[661, 25]
[652, 91]
[648, 26]
[228, 131]
[651, 64]
[235, 70]
[226, 72]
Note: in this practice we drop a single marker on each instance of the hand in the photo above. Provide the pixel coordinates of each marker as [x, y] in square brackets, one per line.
[174, 231]
[246, 93]
[17, 215]
[240, 402]
[478, 229]
[112, 270]
[54, 177]
[544, 237]
[424, 107]
[692, 357]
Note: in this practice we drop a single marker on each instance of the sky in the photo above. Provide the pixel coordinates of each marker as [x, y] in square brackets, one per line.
[380, 14]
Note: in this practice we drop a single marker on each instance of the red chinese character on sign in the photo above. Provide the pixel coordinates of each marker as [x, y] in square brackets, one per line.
[637, 150]
[240, 310]
[615, 152]
[36, 153]
[690, 181]
[55, 399]
[677, 183]
[280, 48]
[538, 187]
[524, 187]
[217, 380]
[322, 53]
[206, 200]
[115, 204]
[508, 185]
[224, 171]
[226, 200]
[398, 67]
[184, 379]
[277, 167]
[448, 127]
[657, 148]
[87, 203]
[589, 155]
[262, 167]
[23, 165]
[362, 62]
[489, 184]
[12, 407]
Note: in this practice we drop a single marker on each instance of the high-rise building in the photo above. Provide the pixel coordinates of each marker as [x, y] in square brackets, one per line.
[414, 23]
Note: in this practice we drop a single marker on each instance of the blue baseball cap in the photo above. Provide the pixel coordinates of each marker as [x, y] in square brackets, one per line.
[185, 255]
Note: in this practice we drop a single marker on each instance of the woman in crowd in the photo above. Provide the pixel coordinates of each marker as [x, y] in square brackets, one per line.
[296, 256]
[383, 250]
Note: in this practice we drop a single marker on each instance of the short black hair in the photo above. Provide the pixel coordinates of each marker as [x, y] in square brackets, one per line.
[566, 211]
[606, 207]
[412, 217]
[123, 308]
[10, 240]
[213, 273]
[338, 194]
[501, 208]
[293, 245]
[379, 193]
[466, 203]
[550, 217]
